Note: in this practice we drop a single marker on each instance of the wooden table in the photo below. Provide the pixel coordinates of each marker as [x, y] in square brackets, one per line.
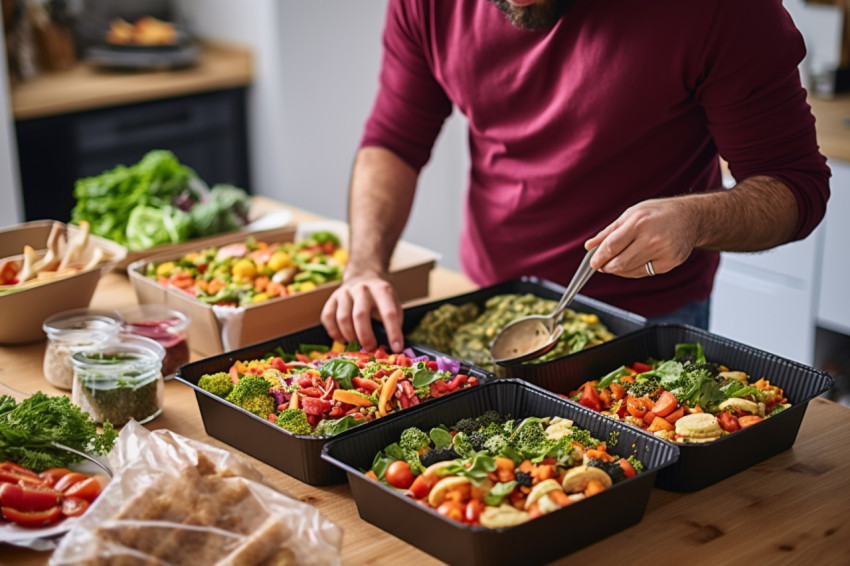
[791, 509]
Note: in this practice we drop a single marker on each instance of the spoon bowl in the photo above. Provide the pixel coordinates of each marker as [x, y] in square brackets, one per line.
[532, 336]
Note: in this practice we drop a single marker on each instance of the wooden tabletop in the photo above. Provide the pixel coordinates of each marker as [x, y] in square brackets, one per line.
[832, 121]
[790, 509]
[86, 86]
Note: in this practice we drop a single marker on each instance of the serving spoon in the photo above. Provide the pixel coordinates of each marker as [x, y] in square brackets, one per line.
[532, 336]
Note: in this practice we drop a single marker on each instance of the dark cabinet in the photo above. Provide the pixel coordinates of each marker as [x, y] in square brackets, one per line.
[205, 131]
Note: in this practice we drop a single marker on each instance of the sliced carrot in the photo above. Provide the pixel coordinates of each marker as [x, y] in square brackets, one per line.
[605, 398]
[371, 475]
[593, 487]
[659, 423]
[261, 282]
[526, 466]
[559, 497]
[214, 286]
[387, 391]
[534, 510]
[617, 391]
[293, 401]
[675, 415]
[749, 420]
[344, 396]
[505, 469]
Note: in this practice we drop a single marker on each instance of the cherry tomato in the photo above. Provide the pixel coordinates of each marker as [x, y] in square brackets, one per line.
[728, 421]
[590, 398]
[74, 506]
[52, 475]
[28, 497]
[628, 469]
[32, 518]
[472, 513]
[68, 480]
[87, 489]
[398, 475]
[421, 486]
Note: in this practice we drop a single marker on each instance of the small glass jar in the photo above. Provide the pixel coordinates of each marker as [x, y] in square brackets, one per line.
[70, 331]
[119, 380]
[165, 325]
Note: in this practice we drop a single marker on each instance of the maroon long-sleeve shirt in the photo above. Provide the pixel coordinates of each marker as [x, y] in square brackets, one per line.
[622, 101]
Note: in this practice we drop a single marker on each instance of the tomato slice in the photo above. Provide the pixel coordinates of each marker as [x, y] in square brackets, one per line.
[8, 466]
[28, 497]
[87, 489]
[52, 475]
[74, 506]
[16, 478]
[32, 518]
[68, 480]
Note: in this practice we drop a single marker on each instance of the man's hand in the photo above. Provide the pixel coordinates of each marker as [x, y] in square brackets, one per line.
[658, 230]
[757, 214]
[348, 312]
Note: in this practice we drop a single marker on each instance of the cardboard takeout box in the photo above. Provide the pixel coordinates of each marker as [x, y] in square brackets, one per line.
[217, 329]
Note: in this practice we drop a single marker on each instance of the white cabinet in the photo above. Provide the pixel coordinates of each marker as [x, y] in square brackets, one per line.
[833, 311]
[767, 299]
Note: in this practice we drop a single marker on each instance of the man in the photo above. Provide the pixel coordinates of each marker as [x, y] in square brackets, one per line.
[590, 122]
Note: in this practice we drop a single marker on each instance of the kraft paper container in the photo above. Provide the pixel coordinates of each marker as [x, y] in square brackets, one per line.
[216, 329]
[25, 311]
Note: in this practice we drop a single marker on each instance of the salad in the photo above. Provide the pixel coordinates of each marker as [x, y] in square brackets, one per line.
[324, 390]
[494, 471]
[685, 400]
[254, 271]
[465, 331]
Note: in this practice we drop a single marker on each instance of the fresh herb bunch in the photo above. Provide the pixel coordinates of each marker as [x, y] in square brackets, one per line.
[28, 428]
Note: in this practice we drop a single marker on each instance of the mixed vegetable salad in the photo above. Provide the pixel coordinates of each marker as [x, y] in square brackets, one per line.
[465, 331]
[324, 390]
[495, 471]
[254, 271]
[685, 400]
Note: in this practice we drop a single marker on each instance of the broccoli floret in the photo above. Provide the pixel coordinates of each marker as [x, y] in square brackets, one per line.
[462, 445]
[411, 456]
[217, 383]
[636, 464]
[295, 421]
[467, 426]
[491, 416]
[414, 439]
[523, 478]
[531, 441]
[613, 469]
[477, 439]
[252, 394]
[431, 457]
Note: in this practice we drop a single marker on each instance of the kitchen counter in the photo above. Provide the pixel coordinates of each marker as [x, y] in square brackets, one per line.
[788, 509]
[88, 87]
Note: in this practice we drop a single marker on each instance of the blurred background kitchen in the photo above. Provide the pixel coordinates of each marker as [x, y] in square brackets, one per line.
[271, 96]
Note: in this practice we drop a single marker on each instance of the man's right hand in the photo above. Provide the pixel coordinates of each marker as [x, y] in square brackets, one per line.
[348, 311]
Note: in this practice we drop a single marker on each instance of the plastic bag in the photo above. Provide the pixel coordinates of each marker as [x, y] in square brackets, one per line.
[178, 501]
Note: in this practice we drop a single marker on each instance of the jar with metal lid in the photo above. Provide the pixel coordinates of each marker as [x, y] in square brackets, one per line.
[119, 380]
[70, 331]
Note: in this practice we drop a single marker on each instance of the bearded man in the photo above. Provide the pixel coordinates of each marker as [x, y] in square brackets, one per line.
[591, 122]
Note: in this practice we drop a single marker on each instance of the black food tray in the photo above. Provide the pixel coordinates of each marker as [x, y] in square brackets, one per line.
[535, 542]
[618, 321]
[701, 465]
[300, 456]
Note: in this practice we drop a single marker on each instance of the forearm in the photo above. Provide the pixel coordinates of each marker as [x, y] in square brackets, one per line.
[381, 196]
[757, 214]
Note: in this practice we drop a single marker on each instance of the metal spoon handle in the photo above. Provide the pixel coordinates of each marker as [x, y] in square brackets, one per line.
[581, 277]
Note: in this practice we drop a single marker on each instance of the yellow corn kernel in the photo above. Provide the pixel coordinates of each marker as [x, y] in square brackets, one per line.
[260, 297]
[279, 260]
[165, 269]
[337, 346]
[243, 270]
[341, 256]
[589, 318]
[192, 257]
[307, 286]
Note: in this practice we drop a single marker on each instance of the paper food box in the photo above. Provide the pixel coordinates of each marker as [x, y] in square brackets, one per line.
[214, 329]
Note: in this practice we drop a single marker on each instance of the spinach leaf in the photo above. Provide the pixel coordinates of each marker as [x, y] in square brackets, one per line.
[342, 371]
[441, 438]
[499, 492]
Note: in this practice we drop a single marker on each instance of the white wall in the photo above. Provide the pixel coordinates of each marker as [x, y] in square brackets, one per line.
[316, 75]
[11, 205]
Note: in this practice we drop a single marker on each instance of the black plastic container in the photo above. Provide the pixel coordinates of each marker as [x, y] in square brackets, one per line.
[300, 456]
[535, 542]
[701, 465]
[618, 321]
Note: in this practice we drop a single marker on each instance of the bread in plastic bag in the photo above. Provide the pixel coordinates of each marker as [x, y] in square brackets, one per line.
[177, 501]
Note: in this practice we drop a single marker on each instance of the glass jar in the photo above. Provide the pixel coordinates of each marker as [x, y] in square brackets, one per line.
[165, 325]
[70, 331]
[119, 380]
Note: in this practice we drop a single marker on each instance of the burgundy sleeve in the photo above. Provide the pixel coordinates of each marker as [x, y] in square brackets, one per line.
[756, 106]
[410, 106]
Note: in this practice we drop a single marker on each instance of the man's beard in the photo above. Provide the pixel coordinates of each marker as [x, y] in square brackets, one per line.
[536, 16]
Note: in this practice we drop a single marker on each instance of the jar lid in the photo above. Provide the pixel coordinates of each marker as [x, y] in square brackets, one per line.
[82, 320]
